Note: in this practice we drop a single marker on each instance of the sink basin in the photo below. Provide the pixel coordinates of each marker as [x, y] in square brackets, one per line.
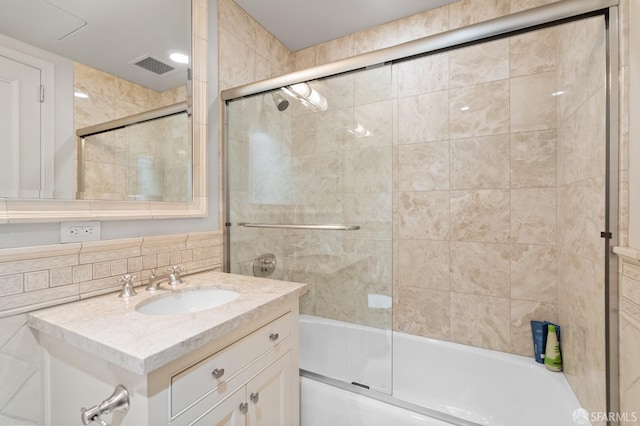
[188, 301]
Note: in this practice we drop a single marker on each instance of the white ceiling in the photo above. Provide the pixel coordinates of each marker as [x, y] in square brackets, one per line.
[302, 23]
[106, 34]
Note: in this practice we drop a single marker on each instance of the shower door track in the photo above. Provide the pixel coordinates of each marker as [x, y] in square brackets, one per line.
[387, 399]
[300, 226]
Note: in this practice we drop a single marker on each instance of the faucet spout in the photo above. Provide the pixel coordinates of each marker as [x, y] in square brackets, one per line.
[172, 277]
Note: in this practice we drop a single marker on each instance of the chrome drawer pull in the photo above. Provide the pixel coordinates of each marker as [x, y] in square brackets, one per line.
[273, 337]
[254, 397]
[244, 407]
[217, 373]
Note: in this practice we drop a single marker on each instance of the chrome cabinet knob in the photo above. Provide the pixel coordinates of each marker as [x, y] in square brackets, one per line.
[217, 373]
[244, 407]
[273, 337]
[254, 397]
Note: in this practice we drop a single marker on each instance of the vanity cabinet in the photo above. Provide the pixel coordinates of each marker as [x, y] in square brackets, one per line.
[247, 383]
[248, 377]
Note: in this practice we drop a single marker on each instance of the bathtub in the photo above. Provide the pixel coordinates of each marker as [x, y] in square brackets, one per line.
[467, 385]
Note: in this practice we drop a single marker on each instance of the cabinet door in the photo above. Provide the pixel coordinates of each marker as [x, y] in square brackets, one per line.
[227, 412]
[269, 395]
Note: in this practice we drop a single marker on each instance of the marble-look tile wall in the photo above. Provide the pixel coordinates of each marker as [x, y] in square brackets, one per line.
[581, 208]
[36, 277]
[126, 162]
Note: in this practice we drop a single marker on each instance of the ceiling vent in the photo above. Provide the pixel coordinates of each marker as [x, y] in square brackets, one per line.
[153, 65]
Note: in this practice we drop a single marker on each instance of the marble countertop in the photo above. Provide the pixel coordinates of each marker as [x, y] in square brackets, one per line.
[109, 326]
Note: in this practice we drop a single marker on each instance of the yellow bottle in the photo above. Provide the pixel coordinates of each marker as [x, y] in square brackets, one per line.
[552, 357]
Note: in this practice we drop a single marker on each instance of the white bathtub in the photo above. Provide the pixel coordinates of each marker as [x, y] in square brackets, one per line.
[477, 385]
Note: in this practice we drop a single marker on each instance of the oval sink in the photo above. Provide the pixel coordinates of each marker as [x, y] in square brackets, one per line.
[188, 301]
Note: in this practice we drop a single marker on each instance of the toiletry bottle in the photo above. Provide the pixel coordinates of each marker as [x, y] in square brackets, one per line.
[552, 358]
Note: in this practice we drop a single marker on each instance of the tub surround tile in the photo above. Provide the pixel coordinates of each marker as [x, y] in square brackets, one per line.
[481, 215]
[423, 24]
[533, 216]
[467, 12]
[534, 272]
[375, 38]
[478, 110]
[410, 75]
[423, 118]
[480, 163]
[423, 264]
[520, 5]
[533, 159]
[480, 268]
[533, 53]
[424, 215]
[423, 166]
[539, 90]
[482, 321]
[423, 312]
[480, 63]
[159, 342]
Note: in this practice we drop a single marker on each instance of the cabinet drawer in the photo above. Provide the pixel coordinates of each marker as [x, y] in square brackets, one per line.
[215, 373]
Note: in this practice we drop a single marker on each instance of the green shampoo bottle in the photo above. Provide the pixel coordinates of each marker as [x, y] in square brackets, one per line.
[552, 357]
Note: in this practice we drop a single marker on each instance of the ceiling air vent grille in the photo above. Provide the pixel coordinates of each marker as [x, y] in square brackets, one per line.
[153, 65]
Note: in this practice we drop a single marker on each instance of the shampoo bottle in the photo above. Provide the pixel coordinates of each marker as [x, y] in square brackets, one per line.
[552, 358]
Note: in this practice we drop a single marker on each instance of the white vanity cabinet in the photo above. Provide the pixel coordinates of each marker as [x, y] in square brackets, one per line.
[235, 364]
[248, 383]
[243, 370]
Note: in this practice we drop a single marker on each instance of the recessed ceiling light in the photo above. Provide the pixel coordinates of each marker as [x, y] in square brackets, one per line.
[180, 58]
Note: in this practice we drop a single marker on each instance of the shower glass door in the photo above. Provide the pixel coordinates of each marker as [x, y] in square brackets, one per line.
[309, 180]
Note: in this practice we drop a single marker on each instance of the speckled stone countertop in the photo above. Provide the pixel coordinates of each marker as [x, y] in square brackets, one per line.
[109, 326]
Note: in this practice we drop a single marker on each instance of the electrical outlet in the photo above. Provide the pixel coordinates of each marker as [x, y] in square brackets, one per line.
[75, 232]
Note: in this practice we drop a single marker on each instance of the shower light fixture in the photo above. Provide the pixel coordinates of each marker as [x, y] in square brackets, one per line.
[307, 95]
[179, 58]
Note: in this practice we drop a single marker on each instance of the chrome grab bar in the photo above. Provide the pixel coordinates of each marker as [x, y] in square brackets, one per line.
[300, 226]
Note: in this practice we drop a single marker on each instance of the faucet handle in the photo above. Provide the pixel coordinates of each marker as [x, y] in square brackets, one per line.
[127, 288]
[175, 270]
[127, 278]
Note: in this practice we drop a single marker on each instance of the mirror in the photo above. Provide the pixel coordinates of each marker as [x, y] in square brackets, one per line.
[68, 66]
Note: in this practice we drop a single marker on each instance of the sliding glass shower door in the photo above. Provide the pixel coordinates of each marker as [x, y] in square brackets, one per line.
[309, 170]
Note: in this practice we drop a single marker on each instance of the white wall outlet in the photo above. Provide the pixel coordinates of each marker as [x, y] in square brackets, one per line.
[76, 232]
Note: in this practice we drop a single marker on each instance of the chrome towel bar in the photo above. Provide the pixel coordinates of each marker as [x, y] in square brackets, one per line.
[301, 226]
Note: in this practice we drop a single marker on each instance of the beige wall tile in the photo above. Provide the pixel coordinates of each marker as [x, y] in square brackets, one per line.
[480, 321]
[533, 216]
[520, 5]
[480, 268]
[423, 166]
[376, 119]
[466, 12]
[481, 215]
[534, 273]
[424, 215]
[90, 79]
[422, 312]
[629, 366]
[479, 110]
[334, 50]
[533, 159]
[533, 52]
[411, 75]
[11, 284]
[480, 63]
[61, 276]
[423, 24]
[538, 90]
[238, 66]
[36, 280]
[374, 85]
[480, 163]
[237, 22]
[375, 38]
[423, 118]
[423, 264]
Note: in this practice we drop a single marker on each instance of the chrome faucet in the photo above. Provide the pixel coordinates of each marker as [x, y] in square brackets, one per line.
[172, 277]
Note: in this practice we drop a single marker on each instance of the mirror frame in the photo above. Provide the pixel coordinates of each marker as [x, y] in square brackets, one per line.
[51, 210]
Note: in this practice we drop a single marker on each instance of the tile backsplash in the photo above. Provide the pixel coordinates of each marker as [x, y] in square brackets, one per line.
[36, 277]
